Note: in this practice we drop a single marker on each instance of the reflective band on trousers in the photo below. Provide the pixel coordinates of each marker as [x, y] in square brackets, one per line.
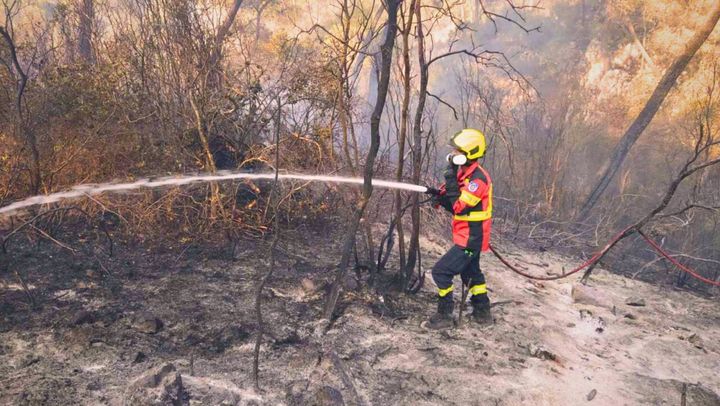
[474, 216]
[478, 290]
[444, 292]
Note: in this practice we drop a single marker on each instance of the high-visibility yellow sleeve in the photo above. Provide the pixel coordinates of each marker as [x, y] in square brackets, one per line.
[469, 198]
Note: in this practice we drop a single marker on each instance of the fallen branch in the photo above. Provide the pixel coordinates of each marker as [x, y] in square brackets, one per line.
[345, 377]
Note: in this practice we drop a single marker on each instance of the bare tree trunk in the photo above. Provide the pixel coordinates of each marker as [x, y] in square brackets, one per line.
[648, 112]
[344, 125]
[209, 159]
[223, 32]
[402, 138]
[215, 77]
[259, 9]
[85, 31]
[386, 51]
[277, 201]
[346, 86]
[65, 31]
[417, 149]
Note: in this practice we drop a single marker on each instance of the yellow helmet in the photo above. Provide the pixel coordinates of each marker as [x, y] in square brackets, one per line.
[469, 141]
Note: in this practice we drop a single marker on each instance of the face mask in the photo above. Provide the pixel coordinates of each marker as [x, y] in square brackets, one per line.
[457, 159]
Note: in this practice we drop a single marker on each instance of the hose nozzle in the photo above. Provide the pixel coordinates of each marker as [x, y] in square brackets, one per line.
[432, 191]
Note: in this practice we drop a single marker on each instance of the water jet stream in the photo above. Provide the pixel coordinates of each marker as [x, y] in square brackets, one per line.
[151, 183]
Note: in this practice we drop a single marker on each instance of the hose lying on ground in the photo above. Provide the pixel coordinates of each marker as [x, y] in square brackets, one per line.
[602, 252]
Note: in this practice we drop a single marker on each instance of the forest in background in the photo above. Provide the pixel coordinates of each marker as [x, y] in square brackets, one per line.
[94, 91]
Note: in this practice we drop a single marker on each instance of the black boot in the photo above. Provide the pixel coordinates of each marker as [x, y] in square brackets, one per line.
[443, 318]
[481, 313]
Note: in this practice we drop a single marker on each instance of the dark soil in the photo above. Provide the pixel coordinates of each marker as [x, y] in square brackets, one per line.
[92, 323]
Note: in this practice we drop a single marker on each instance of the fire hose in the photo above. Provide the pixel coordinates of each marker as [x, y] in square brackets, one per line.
[596, 257]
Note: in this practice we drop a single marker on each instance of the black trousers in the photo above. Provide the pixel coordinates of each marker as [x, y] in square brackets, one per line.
[466, 263]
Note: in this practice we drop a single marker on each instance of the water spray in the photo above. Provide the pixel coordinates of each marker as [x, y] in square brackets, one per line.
[152, 183]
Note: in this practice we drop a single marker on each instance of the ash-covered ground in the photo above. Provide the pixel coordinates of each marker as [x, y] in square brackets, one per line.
[175, 325]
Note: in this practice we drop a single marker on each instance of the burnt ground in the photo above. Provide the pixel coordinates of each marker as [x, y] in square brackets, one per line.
[174, 324]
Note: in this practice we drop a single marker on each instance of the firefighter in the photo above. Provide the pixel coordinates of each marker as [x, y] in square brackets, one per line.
[467, 195]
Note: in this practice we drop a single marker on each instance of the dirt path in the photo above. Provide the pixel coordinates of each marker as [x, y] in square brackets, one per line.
[180, 331]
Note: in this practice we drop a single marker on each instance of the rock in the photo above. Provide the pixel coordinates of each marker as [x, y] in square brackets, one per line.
[82, 317]
[147, 323]
[326, 396]
[695, 340]
[207, 391]
[635, 301]
[162, 385]
[287, 337]
[139, 357]
[591, 395]
[227, 337]
[583, 294]
[350, 283]
[538, 351]
[308, 286]
[155, 377]
[298, 393]
[630, 316]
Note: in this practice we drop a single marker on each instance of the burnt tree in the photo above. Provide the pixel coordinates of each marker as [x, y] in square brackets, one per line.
[386, 51]
[648, 112]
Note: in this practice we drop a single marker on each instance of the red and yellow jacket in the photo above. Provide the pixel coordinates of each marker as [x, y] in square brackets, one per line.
[472, 210]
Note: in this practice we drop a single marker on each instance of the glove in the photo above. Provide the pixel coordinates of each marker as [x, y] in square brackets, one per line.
[450, 174]
[443, 201]
[451, 184]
